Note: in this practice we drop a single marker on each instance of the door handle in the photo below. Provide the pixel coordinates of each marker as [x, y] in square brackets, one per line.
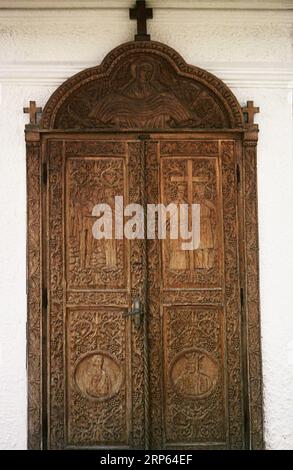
[136, 312]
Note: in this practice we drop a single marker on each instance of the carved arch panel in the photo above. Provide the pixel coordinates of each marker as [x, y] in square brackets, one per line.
[143, 85]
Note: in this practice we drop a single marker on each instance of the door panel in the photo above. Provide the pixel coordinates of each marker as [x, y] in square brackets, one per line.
[195, 312]
[94, 353]
[188, 177]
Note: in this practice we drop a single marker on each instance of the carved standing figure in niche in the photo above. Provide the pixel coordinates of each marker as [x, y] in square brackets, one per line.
[204, 255]
[110, 245]
[154, 107]
[86, 238]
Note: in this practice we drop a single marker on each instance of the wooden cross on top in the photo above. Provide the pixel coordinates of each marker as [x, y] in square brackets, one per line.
[33, 111]
[249, 111]
[141, 14]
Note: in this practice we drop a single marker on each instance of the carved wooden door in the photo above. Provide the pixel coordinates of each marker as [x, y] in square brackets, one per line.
[146, 126]
[175, 381]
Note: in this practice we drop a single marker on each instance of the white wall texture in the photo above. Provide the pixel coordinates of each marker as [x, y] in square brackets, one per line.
[252, 51]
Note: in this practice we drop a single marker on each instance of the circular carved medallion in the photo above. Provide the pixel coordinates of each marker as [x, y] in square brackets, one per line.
[98, 376]
[194, 373]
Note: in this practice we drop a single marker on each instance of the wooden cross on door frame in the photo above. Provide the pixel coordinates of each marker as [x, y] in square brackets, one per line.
[33, 112]
[141, 14]
[249, 111]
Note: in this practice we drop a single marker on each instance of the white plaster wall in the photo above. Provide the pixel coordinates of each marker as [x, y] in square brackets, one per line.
[253, 53]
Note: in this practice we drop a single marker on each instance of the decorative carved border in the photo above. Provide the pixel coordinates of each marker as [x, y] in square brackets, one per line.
[34, 298]
[251, 270]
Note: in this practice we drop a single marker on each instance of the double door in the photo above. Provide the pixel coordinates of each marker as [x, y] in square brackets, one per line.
[143, 340]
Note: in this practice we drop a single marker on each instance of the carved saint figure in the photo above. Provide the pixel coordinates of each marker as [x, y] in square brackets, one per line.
[194, 378]
[88, 245]
[154, 107]
[96, 382]
[98, 376]
[110, 245]
[85, 235]
[205, 254]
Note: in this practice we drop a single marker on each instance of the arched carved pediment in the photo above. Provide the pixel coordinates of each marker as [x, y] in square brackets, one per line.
[143, 85]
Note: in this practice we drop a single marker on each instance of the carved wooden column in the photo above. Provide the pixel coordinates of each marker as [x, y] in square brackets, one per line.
[251, 249]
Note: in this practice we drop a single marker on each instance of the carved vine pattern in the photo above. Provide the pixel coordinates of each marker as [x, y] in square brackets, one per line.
[232, 301]
[252, 292]
[154, 321]
[206, 297]
[95, 148]
[88, 298]
[136, 276]
[56, 435]
[34, 296]
[189, 148]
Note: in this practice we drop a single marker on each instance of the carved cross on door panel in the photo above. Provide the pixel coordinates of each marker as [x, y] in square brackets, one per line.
[141, 14]
[189, 179]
